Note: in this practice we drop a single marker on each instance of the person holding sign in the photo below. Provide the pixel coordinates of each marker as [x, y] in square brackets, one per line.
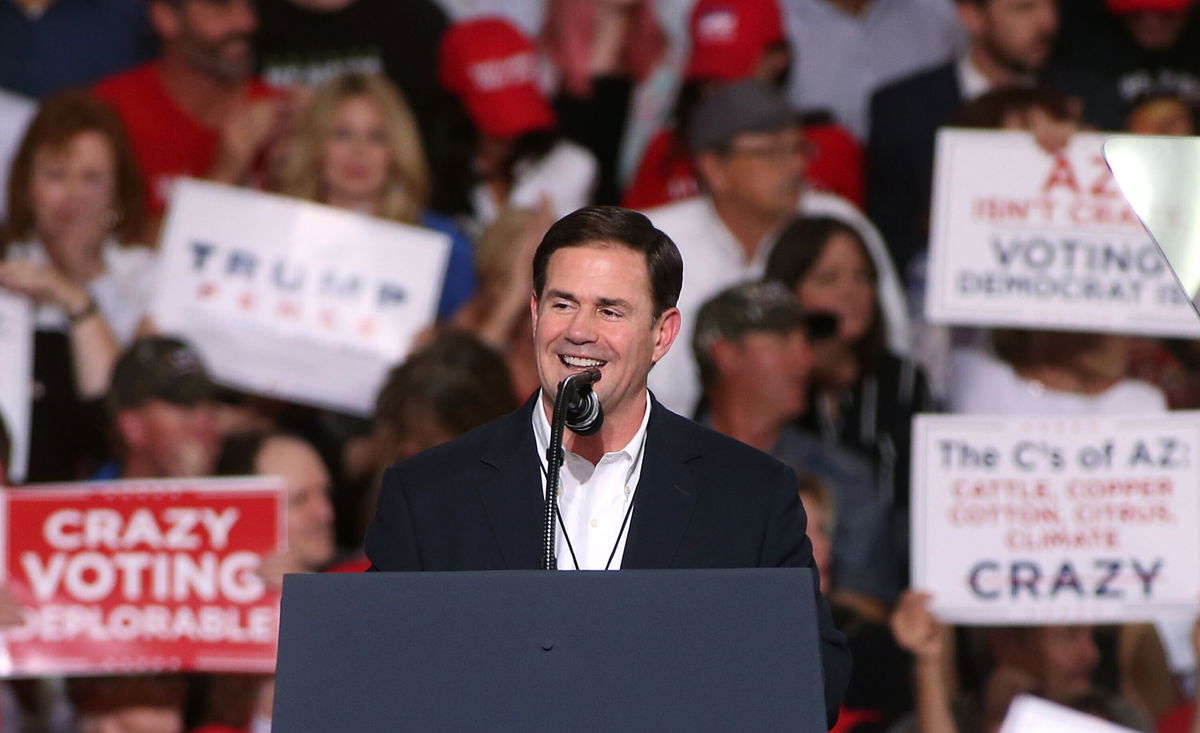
[357, 147]
[74, 202]
[1055, 662]
[648, 490]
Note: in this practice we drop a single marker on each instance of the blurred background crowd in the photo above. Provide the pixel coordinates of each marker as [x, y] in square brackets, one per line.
[785, 145]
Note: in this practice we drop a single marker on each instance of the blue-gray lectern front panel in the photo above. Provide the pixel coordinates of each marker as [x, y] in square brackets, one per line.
[635, 650]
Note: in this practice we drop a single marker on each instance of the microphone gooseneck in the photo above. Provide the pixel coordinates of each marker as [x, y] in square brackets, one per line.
[576, 407]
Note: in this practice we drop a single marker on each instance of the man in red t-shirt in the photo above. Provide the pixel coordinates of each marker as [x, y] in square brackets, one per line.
[197, 110]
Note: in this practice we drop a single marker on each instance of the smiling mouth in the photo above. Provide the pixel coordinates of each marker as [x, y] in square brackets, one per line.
[580, 362]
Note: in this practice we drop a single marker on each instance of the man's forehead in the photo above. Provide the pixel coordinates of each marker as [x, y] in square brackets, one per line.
[634, 271]
[595, 247]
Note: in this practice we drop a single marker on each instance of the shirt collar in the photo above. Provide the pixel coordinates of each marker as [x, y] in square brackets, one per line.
[971, 80]
[974, 84]
[541, 431]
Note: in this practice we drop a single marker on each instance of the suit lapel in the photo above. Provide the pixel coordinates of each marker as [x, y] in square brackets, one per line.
[665, 496]
[514, 501]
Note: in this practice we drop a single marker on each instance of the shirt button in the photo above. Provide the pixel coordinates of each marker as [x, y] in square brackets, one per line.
[594, 522]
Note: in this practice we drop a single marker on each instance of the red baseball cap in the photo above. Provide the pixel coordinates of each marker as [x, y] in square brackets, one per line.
[1162, 6]
[729, 36]
[492, 68]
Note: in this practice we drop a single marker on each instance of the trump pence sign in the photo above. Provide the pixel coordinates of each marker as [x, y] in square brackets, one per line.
[293, 299]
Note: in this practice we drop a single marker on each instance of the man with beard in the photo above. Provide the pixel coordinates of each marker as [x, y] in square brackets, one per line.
[197, 110]
[1010, 42]
[163, 412]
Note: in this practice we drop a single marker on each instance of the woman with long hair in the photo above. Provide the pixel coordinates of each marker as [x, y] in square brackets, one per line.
[74, 204]
[864, 396]
[357, 147]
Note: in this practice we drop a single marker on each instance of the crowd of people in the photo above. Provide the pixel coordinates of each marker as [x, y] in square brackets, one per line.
[785, 146]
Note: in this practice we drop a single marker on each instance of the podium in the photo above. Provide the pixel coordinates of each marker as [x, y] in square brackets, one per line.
[632, 650]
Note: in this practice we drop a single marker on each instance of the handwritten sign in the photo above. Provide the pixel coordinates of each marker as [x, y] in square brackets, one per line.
[16, 354]
[293, 299]
[1057, 520]
[1022, 238]
[142, 575]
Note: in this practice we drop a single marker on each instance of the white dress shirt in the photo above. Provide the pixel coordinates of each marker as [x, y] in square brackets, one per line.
[973, 84]
[593, 499]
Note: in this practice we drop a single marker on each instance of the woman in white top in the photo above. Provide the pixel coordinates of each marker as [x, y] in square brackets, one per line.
[1049, 373]
[74, 198]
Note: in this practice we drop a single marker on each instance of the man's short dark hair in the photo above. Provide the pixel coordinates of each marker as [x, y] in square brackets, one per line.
[613, 224]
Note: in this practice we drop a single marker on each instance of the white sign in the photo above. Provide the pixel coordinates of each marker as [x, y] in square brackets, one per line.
[1029, 714]
[1022, 238]
[16, 354]
[1035, 520]
[293, 299]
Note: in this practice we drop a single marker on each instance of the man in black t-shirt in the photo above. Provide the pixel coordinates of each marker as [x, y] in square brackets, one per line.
[307, 42]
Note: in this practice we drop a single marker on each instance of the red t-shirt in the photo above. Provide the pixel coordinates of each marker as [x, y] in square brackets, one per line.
[665, 175]
[167, 141]
[1178, 719]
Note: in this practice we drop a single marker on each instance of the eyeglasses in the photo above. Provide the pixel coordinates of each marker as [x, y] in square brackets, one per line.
[777, 153]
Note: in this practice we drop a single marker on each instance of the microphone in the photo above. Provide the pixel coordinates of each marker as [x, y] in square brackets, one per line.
[584, 415]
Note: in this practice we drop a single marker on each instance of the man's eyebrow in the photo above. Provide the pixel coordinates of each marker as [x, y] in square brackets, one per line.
[607, 302]
[560, 295]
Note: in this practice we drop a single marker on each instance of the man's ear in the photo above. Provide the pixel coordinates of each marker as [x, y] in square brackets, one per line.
[710, 170]
[130, 426]
[165, 19]
[533, 310]
[722, 353]
[666, 330]
[971, 15]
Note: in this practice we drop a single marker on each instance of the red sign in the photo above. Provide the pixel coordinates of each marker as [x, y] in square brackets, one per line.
[142, 575]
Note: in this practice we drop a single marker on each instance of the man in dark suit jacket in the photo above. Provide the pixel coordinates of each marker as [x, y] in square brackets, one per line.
[605, 286]
[1009, 44]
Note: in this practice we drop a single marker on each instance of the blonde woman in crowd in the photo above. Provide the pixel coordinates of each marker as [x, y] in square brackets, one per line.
[74, 203]
[357, 148]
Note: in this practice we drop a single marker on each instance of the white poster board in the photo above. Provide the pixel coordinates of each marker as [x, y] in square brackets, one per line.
[1029, 714]
[1035, 520]
[16, 378]
[1021, 238]
[292, 299]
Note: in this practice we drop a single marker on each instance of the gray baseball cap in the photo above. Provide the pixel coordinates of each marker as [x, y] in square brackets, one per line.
[732, 109]
[756, 306]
